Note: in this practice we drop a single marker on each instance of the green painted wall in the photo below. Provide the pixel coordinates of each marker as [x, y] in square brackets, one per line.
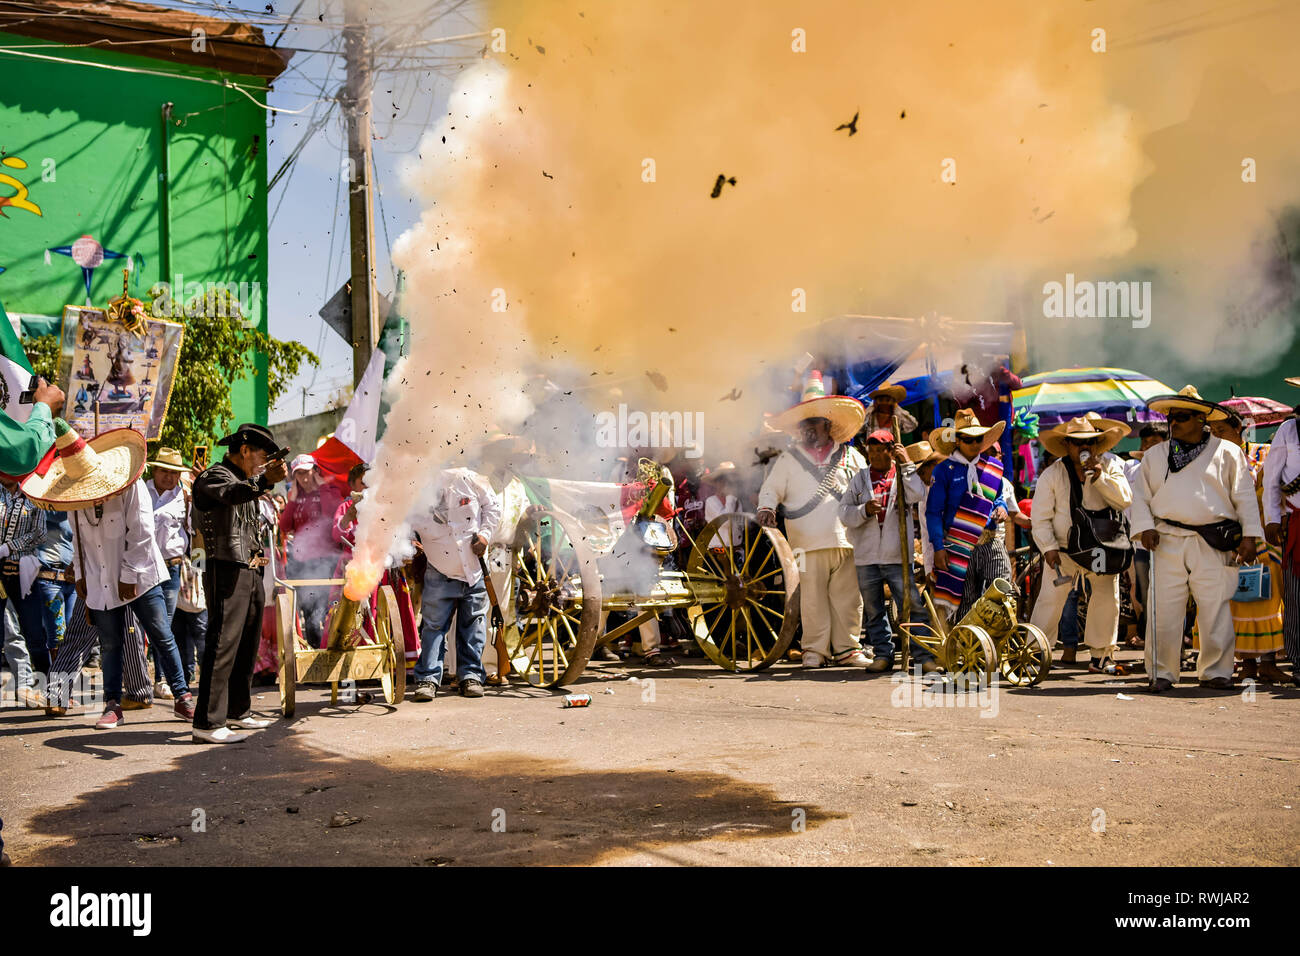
[91, 139]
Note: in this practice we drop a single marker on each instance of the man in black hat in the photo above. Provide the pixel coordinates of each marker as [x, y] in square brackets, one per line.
[225, 502]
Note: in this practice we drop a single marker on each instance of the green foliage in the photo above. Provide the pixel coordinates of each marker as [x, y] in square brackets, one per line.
[43, 352]
[218, 350]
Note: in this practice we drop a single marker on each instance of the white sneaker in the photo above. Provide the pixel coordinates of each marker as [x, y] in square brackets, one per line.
[222, 735]
[855, 659]
[162, 692]
[812, 659]
[249, 723]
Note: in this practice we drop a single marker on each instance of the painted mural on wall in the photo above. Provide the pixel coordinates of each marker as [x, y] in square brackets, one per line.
[127, 367]
[19, 200]
[89, 253]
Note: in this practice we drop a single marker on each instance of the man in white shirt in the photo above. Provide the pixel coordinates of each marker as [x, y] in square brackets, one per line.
[808, 479]
[118, 565]
[1282, 527]
[1150, 435]
[1193, 481]
[1100, 484]
[455, 533]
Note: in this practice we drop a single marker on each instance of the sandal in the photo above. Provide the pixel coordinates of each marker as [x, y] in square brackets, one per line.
[1107, 666]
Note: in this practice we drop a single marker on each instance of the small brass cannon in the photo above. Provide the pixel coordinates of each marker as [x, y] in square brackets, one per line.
[358, 646]
[987, 640]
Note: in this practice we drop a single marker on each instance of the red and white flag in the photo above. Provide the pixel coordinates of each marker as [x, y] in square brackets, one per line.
[353, 441]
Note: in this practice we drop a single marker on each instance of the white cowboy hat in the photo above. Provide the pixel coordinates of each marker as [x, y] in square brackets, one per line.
[965, 423]
[169, 459]
[1189, 398]
[87, 472]
[1056, 440]
[845, 414]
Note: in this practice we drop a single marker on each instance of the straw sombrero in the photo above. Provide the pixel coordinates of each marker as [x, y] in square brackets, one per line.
[87, 472]
[1105, 423]
[1189, 398]
[945, 439]
[1294, 380]
[1055, 439]
[169, 459]
[896, 392]
[845, 414]
[922, 452]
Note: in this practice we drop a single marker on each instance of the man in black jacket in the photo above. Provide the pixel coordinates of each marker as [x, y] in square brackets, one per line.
[225, 504]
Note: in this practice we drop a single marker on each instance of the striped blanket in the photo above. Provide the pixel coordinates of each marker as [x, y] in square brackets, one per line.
[960, 539]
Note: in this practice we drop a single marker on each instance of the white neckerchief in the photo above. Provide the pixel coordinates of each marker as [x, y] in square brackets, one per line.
[972, 473]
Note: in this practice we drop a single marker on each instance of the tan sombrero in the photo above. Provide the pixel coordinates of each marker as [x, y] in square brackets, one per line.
[169, 459]
[945, 439]
[896, 392]
[87, 472]
[845, 414]
[1189, 398]
[922, 452]
[1055, 440]
[1293, 380]
[1105, 423]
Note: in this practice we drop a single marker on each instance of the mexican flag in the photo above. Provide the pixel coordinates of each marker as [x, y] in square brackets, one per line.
[15, 370]
[24, 446]
[353, 441]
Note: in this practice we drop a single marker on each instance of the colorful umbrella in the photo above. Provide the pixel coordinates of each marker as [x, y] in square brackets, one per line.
[1258, 411]
[1066, 393]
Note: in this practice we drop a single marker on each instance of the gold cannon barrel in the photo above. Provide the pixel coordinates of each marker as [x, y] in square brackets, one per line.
[654, 498]
[995, 611]
[342, 624]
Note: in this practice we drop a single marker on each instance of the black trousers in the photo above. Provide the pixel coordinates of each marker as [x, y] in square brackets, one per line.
[235, 602]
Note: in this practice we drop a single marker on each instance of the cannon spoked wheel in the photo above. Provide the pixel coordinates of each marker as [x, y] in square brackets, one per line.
[388, 630]
[970, 651]
[288, 645]
[1026, 656]
[747, 595]
[556, 588]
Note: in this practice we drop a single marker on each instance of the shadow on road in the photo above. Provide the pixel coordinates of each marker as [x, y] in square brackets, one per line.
[272, 801]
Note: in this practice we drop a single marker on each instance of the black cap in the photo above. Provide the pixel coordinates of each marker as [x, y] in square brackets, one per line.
[251, 433]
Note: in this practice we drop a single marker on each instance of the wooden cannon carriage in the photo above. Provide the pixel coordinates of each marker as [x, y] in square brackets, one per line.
[565, 573]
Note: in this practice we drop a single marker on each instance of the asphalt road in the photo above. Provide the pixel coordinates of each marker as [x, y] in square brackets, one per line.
[695, 766]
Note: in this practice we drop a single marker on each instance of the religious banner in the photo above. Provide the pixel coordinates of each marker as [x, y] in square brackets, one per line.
[125, 363]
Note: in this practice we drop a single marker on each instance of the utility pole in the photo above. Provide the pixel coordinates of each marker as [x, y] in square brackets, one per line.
[361, 219]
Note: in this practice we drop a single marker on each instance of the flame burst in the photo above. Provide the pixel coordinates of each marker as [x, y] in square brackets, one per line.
[362, 577]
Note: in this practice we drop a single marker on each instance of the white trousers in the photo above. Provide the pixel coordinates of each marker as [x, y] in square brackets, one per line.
[1180, 564]
[1101, 634]
[830, 604]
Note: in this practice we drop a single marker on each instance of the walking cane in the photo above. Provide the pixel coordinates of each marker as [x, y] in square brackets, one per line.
[905, 552]
[498, 628]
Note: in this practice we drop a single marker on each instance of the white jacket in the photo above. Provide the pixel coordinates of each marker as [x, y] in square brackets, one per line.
[1217, 485]
[874, 541]
[1050, 513]
[791, 484]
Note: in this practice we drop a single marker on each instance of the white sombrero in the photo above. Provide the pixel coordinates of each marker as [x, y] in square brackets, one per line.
[1056, 440]
[845, 414]
[87, 472]
[1189, 398]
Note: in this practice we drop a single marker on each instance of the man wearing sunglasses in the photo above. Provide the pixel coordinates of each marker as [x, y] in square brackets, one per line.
[1195, 510]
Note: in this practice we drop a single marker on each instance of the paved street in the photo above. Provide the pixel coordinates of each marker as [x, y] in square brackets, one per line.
[699, 766]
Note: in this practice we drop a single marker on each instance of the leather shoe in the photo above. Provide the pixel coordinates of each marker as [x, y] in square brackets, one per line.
[1218, 683]
[1161, 685]
[131, 703]
[469, 687]
[879, 665]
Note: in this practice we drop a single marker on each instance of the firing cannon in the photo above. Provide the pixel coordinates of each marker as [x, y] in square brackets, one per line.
[988, 639]
[740, 590]
[360, 645]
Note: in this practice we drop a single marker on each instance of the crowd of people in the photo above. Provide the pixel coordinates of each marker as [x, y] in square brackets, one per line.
[1187, 548]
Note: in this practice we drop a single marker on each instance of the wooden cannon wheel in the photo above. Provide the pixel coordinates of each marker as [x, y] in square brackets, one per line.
[555, 584]
[970, 651]
[1026, 656]
[747, 596]
[388, 633]
[288, 647]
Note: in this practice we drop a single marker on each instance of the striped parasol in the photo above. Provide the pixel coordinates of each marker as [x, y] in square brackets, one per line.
[1258, 411]
[1066, 393]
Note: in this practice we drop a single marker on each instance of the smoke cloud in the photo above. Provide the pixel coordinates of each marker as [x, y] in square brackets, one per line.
[581, 223]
